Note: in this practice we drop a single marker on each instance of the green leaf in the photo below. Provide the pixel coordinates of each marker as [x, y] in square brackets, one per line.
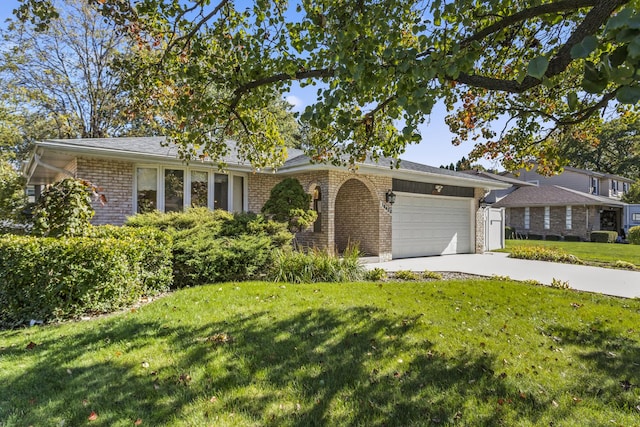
[572, 100]
[628, 94]
[537, 67]
[618, 56]
[584, 48]
[634, 48]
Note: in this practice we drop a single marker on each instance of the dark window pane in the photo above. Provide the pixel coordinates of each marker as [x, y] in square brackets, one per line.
[173, 190]
[147, 189]
[199, 189]
[221, 192]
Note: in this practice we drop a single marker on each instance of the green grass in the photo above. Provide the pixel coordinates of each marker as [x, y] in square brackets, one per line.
[602, 254]
[481, 352]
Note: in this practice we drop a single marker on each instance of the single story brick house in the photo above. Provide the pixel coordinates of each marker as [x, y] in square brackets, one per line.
[413, 210]
[559, 211]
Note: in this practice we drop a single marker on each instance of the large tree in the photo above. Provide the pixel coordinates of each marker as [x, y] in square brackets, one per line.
[615, 148]
[516, 75]
[63, 71]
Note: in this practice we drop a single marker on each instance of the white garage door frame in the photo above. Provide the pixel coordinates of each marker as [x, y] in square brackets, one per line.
[440, 206]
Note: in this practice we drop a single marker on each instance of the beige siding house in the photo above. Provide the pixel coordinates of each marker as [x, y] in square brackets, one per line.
[414, 210]
[571, 204]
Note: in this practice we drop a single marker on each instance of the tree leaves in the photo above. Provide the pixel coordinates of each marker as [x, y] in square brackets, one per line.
[584, 48]
[537, 67]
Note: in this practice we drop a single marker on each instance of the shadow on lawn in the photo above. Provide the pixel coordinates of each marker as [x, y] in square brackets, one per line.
[344, 367]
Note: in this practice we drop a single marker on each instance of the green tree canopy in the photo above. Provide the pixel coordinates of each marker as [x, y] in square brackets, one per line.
[615, 148]
[538, 70]
[633, 195]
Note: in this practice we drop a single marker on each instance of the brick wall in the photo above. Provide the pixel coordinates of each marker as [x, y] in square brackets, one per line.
[115, 179]
[481, 220]
[367, 222]
[580, 225]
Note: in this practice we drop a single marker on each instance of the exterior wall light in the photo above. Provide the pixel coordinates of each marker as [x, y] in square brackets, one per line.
[390, 197]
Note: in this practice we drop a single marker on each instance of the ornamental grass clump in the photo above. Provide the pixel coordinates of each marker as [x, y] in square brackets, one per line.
[316, 266]
[540, 253]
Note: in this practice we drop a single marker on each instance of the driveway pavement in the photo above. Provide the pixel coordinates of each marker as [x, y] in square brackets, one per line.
[584, 278]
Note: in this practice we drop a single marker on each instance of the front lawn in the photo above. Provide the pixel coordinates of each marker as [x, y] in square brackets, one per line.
[476, 352]
[601, 254]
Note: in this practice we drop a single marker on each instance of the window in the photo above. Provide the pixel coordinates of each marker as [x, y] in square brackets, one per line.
[146, 189]
[547, 217]
[625, 187]
[635, 217]
[317, 206]
[221, 191]
[199, 189]
[595, 185]
[173, 190]
[526, 218]
[568, 215]
[238, 194]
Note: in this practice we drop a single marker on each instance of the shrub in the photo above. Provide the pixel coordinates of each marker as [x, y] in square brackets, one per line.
[406, 275]
[376, 274]
[572, 238]
[154, 248]
[427, 274]
[625, 265]
[52, 279]
[633, 236]
[552, 237]
[64, 209]
[560, 284]
[213, 246]
[534, 237]
[540, 253]
[316, 266]
[509, 233]
[604, 236]
[289, 203]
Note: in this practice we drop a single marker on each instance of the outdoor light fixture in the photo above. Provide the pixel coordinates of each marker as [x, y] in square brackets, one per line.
[439, 188]
[390, 197]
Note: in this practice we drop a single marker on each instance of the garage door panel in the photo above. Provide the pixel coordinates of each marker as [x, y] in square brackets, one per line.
[425, 226]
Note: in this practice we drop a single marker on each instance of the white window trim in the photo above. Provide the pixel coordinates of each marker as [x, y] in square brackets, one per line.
[160, 171]
[527, 218]
[547, 217]
[568, 218]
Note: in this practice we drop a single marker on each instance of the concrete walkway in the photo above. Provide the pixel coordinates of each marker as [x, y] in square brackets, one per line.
[584, 278]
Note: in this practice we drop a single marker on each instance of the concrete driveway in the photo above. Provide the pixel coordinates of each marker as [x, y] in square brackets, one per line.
[584, 278]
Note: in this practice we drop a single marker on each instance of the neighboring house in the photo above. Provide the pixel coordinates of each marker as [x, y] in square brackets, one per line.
[435, 212]
[573, 203]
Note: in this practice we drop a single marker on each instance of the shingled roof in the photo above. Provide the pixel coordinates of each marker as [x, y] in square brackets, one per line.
[552, 195]
[157, 149]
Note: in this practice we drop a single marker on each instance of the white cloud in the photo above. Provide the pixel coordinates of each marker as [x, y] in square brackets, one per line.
[295, 102]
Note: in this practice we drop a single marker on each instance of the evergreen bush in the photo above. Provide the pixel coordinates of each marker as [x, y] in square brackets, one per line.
[604, 236]
[633, 236]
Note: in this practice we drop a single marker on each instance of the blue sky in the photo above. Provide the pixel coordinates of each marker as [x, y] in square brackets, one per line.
[435, 148]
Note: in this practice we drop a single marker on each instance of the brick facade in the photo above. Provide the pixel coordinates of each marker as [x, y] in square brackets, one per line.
[115, 180]
[584, 219]
[351, 209]
[481, 220]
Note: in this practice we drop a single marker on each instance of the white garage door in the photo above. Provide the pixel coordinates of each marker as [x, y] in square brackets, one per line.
[431, 225]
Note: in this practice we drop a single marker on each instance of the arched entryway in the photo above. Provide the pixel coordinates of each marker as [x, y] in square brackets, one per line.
[357, 218]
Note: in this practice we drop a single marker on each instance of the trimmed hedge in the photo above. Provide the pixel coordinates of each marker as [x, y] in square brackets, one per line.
[50, 279]
[535, 237]
[217, 246]
[604, 236]
[552, 237]
[572, 238]
[633, 236]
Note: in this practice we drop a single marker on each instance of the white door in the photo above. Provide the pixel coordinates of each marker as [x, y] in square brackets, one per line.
[431, 225]
[494, 229]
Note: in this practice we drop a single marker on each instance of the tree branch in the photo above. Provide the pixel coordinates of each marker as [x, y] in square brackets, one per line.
[596, 17]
